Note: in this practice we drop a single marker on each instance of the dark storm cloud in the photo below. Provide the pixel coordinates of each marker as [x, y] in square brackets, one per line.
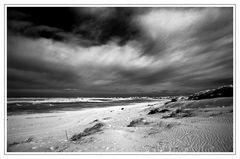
[98, 25]
[58, 17]
[117, 51]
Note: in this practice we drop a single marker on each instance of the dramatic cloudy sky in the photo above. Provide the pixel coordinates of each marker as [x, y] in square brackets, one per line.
[60, 51]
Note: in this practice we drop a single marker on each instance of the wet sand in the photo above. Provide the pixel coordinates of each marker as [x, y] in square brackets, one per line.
[199, 126]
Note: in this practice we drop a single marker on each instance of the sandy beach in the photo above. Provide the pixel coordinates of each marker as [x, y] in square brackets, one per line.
[183, 126]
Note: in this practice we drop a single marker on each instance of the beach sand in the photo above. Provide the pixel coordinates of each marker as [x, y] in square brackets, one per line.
[185, 126]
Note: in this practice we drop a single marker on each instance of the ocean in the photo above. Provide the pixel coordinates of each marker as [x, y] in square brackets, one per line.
[48, 105]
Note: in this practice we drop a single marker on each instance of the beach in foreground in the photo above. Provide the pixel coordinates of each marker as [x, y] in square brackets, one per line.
[158, 126]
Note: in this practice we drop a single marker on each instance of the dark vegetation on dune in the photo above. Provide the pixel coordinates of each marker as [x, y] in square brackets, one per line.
[138, 122]
[178, 113]
[213, 97]
[223, 91]
[205, 103]
[184, 107]
[181, 109]
[88, 131]
[158, 110]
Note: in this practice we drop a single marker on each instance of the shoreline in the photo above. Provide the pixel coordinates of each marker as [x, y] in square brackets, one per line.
[30, 108]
